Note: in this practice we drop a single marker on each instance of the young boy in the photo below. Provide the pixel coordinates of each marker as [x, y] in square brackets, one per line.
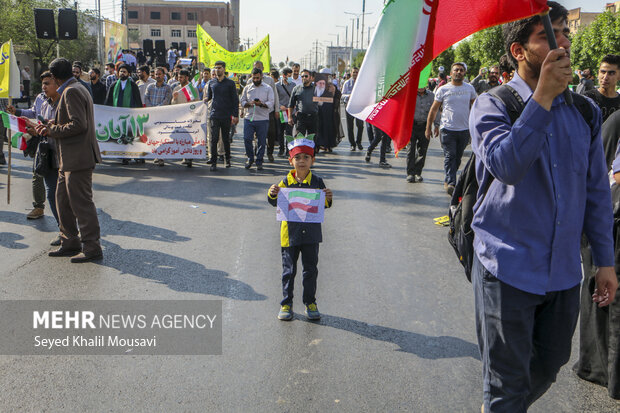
[300, 237]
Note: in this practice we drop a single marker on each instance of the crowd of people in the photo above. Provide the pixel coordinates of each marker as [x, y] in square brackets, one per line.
[544, 172]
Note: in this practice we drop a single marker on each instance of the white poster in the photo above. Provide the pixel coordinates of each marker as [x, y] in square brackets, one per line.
[164, 132]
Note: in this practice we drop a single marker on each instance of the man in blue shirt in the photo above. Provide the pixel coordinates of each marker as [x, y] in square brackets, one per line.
[548, 184]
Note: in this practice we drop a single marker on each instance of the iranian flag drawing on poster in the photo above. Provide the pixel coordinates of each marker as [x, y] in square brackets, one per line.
[300, 205]
[409, 35]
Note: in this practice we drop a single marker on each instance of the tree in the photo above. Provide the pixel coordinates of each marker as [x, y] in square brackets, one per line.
[18, 25]
[591, 43]
[445, 59]
[463, 53]
[358, 59]
[487, 46]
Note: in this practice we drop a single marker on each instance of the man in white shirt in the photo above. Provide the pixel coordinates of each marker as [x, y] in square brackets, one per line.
[296, 79]
[456, 98]
[258, 100]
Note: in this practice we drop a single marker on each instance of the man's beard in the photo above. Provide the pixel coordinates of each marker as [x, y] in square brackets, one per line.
[319, 91]
[123, 77]
[257, 83]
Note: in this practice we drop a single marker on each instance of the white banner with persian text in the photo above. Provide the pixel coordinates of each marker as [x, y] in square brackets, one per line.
[164, 132]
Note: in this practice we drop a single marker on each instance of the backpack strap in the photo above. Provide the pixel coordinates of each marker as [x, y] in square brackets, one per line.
[584, 107]
[512, 100]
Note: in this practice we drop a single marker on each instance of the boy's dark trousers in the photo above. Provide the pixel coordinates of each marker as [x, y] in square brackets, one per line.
[309, 261]
[416, 158]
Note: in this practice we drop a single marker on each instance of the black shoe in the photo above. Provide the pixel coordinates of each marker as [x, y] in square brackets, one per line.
[281, 152]
[248, 164]
[64, 252]
[367, 158]
[259, 167]
[220, 158]
[228, 165]
[352, 148]
[2, 160]
[210, 162]
[360, 147]
[270, 157]
[125, 161]
[81, 257]
[384, 164]
[213, 168]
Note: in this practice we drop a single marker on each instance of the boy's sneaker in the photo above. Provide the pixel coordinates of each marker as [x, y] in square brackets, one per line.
[286, 313]
[312, 312]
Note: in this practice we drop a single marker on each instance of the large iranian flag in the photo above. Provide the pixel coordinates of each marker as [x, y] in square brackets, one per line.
[409, 35]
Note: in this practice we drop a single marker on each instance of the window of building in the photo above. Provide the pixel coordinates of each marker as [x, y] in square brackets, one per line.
[191, 33]
[175, 15]
[132, 14]
[192, 16]
[175, 33]
[155, 32]
[155, 15]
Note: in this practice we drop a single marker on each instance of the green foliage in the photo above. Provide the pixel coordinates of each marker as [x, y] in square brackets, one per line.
[445, 59]
[487, 46]
[358, 59]
[18, 25]
[596, 40]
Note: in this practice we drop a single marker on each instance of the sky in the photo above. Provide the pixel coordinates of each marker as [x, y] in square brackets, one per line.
[294, 26]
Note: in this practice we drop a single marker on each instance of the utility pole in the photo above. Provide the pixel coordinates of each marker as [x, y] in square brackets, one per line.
[363, 13]
[247, 42]
[316, 53]
[346, 34]
[100, 52]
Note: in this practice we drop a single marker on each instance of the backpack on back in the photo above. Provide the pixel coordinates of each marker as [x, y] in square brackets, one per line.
[465, 195]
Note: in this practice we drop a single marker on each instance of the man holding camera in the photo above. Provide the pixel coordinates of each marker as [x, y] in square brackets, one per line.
[482, 85]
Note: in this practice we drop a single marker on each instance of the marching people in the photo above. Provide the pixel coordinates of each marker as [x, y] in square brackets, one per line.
[455, 98]
[258, 100]
[285, 90]
[43, 185]
[347, 88]
[303, 103]
[98, 88]
[544, 174]
[272, 132]
[73, 131]
[418, 144]
[158, 93]
[224, 111]
[144, 79]
[606, 95]
[481, 84]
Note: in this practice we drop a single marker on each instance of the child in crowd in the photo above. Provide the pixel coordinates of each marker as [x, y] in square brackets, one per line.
[300, 237]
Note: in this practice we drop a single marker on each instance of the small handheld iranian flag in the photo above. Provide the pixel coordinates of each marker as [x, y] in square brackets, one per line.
[190, 92]
[301, 205]
[409, 35]
[13, 123]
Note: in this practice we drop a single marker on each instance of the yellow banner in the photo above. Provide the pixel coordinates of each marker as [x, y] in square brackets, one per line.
[236, 62]
[115, 39]
[9, 72]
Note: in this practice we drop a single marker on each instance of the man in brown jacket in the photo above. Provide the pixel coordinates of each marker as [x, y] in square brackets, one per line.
[73, 130]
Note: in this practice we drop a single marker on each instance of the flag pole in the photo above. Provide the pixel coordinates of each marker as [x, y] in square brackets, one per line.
[8, 173]
[546, 20]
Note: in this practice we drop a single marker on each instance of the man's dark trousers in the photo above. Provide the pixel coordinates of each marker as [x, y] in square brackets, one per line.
[453, 144]
[379, 136]
[309, 261]
[218, 125]
[416, 158]
[306, 123]
[272, 132]
[524, 339]
[357, 140]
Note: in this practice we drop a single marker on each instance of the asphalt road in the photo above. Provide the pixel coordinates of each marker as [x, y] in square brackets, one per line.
[397, 332]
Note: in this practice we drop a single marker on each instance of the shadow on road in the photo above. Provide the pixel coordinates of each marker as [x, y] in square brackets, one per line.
[42, 224]
[177, 273]
[111, 226]
[9, 240]
[423, 346]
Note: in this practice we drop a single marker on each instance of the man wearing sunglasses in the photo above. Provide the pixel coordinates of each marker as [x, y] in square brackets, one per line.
[302, 103]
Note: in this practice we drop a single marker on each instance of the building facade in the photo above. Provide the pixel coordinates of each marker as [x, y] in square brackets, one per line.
[578, 18]
[175, 21]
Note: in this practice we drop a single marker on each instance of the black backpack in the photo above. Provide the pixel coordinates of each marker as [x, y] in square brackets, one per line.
[465, 194]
